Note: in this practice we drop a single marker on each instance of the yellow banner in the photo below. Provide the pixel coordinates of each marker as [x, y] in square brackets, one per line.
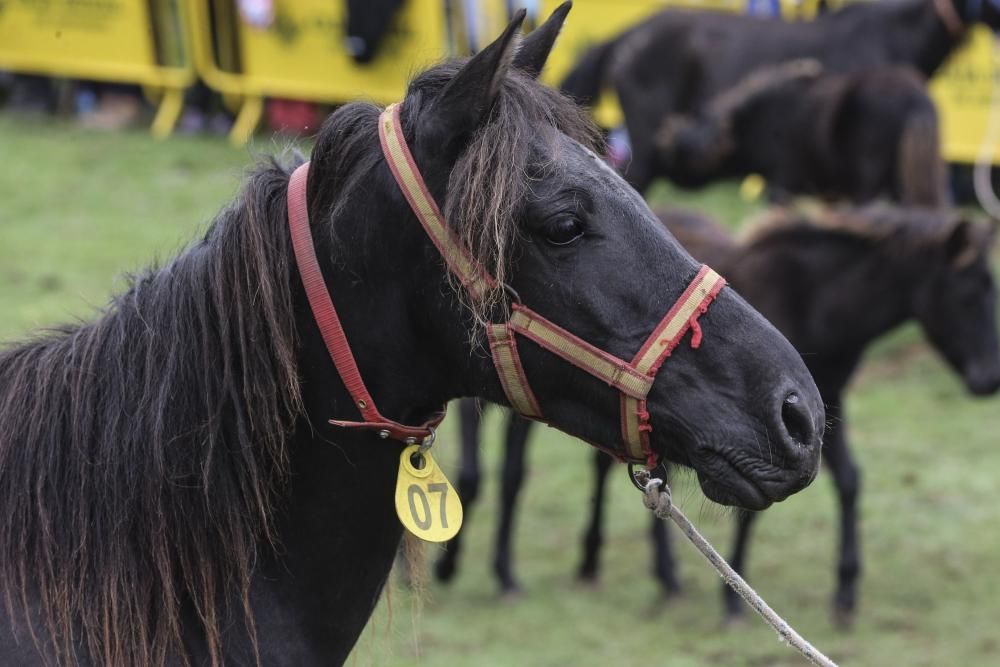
[98, 39]
[303, 55]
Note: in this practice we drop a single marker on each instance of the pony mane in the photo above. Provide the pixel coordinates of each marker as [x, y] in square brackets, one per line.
[491, 180]
[488, 183]
[142, 454]
[902, 229]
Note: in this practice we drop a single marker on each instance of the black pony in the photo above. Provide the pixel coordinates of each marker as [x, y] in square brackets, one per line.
[857, 136]
[171, 488]
[677, 60]
[832, 283]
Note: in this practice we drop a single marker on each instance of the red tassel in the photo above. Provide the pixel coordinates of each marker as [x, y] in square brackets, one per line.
[695, 331]
[644, 425]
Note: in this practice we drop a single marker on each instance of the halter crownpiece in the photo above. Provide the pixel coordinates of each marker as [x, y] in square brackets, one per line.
[632, 379]
[332, 331]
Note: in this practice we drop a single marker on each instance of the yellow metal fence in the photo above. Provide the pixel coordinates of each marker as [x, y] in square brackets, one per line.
[301, 55]
[167, 45]
[106, 40]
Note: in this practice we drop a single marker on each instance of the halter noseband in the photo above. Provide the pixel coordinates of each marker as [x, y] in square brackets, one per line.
[633, 379]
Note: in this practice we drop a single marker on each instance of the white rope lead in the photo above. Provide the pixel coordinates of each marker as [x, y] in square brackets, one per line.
[657, 498]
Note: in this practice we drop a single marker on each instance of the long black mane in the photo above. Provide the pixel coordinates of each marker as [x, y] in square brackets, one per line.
[490, 180]
[142, 454]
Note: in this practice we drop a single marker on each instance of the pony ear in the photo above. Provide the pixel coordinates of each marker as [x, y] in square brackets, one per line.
[536, 47]
[468, 97]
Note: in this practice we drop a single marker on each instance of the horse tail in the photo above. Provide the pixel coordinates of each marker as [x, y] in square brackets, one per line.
[584, 81]
[920, 167]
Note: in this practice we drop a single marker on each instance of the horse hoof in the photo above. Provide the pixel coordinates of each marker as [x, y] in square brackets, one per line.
[672, 591]
[843, 617]
[666, 598]
[589, 581]
[510, 594]
[734, 620]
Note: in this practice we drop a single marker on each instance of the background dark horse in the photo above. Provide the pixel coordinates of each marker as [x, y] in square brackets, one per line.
[171, 490]
[677, 60]
[808, 131]
[366, 26]
[833, 283]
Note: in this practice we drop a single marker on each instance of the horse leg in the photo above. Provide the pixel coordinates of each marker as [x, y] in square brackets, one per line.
[469, 413]
[513, 476]
[732, 602]
[594, 537]
[847, 478]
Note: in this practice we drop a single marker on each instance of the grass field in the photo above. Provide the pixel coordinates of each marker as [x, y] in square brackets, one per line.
[78, 211]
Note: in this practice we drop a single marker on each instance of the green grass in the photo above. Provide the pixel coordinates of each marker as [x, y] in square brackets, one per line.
[80, 210]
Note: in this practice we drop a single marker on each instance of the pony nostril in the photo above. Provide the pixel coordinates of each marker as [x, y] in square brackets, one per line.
[796, 418]
[982, 381]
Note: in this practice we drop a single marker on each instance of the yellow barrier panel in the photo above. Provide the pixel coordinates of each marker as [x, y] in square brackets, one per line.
[962, 88]
[110, 40]
[302, 56]
[963, 91]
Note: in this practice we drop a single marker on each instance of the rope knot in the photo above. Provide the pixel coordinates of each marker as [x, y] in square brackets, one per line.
[657, 497]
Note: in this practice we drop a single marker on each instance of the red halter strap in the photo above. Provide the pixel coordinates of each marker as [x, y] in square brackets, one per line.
[633, 379]
[329, 323]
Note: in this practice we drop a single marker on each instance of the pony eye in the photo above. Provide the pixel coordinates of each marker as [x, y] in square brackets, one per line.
[563, 231]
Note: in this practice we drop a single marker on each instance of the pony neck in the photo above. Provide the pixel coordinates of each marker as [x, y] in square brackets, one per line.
[397, 314]
[339, 536]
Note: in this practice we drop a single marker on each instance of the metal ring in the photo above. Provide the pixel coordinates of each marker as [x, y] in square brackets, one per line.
[633, 479]
[429, 440]
[661, 466]
[512, 293]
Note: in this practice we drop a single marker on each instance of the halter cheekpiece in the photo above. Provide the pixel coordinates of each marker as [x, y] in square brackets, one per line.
[633, 379]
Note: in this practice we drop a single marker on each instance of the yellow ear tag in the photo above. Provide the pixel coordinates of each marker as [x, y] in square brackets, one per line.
[426, 502]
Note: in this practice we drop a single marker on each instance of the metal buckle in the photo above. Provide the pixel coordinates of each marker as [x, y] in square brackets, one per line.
[648, 473]
[429, 440]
